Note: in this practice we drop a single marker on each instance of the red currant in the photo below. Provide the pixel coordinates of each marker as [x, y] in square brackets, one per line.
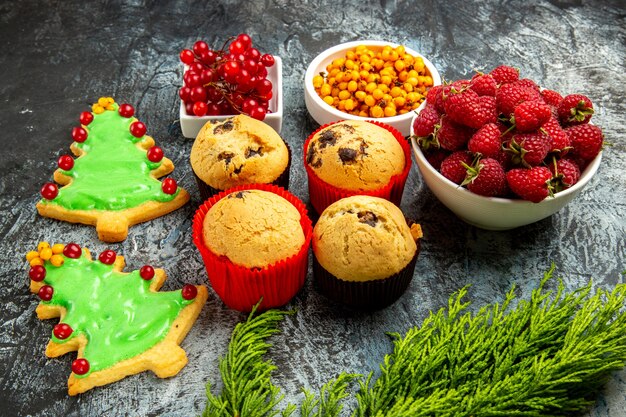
[208, 75]
[257, 113]
[62, 331]
[213, 109]
[186, 56]
[243, 79]
[45, 293]
[192, 79]
[189, 292]
[107, 257]
[37, 273]
[198, 93]
[49, 191]
[72, 250]
[200, 47]
[263, 87]
[65, 162]
[245, 39]
[169, 186]
[138, 129]
[155, 154]
[184, 92]
[196, 67]
[200, 108]
[80, 366]
[126, 110]
[267, 60]
[261, 72]
[85, 118]
[250, 65]
[253, 53]
[189, 108]
[236, 47]
[146, 272]
[213, 94]
[231, 69]
[209, 57]
[79, 134]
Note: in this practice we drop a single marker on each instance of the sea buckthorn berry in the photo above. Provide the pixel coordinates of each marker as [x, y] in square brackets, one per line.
[72, 250]
[37, 273]
[45, 254]
[32, 255]
[189, 292]
[42, 245]
[46, 292]
[146, 272]
[80, 366]
[49, 191]
[103, 101]
[65, 162]
[57, 248]
[62, 331]
[137, 129]
[36, 261]
[107, 257]
[57, 260]
[79, 134]
[155, 154]
[169, 185]
[126, 110]
[318, 81]
[85, 118]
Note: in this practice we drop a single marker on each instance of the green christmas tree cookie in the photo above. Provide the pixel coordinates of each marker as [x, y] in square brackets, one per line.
[119, 323]
[113, 183]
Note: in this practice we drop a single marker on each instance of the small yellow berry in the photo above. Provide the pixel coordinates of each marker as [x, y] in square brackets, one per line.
[344, 95]
[349, 104]
[369, 101]
[57, 248]
[45, 254]
[360, 95]
[325, 90]
[32, 255]
[42, 245]
[57, 260]
[318, 81]
[377, 111]
[390, 111]
[377, 94]
[97, 109]
[103, 102]
[328, 100]
[36, 261]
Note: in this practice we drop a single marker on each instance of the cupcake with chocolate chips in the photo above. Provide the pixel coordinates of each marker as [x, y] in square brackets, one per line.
[254, 241]
[238, 151]
[364, 252]
[356, 157]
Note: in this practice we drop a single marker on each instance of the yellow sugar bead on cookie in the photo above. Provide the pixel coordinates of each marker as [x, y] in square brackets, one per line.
[42, 245]
[32, 255]
[45, 254]
[35, 261]
[57, 248]
[57, 260]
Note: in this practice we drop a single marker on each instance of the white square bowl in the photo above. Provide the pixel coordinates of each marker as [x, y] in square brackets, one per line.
[191, 125]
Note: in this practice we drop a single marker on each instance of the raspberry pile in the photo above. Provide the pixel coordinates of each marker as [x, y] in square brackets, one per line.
[501, 135]
[227, 81]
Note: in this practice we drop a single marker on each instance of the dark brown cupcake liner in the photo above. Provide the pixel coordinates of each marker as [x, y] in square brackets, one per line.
[206, 191]
[367, 295]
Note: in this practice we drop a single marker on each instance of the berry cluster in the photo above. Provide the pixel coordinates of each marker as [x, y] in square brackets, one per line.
[226, 81]
[500, 135]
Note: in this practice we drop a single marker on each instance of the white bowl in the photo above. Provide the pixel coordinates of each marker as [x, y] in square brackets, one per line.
[191, 125]
[493, 213]
[324, 113]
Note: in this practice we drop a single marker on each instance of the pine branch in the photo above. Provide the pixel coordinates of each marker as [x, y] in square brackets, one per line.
[248, 391]
[546, 357]
[329, 401]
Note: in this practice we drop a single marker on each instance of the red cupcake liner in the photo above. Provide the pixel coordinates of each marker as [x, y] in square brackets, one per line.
[206, 191]
[241, 288]
[323, 194]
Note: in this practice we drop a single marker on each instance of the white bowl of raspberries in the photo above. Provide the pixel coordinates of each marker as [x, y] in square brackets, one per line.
[220, 83]
[501, 152]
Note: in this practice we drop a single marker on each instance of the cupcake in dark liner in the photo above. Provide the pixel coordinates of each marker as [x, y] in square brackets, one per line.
[239, 151]
[245, 275]
[364, 252]
[341, 160]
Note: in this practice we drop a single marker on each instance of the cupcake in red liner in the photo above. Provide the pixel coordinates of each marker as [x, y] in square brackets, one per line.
[364, 252]
[354, 157]
[254, 242]
[238, 151]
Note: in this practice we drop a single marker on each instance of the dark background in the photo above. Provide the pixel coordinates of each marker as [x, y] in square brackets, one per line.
[58, 57]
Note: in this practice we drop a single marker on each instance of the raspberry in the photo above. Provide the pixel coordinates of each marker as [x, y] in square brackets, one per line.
[435, 156]
[504, 74]
[575, 109]
[452, 167]
[487, 178]
[531, 184]
[565, 173]
[586, 140]
[436, 96]
[531, 115]
[511, 95]
[529, 149]
[424, 124]
[551, 97]
[483, 85]
[486, 141]
[452, 136]
[470, 109]
[560, 142]
[527, 82]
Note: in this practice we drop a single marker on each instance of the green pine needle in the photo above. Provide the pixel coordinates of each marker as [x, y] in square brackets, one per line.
[329, 401]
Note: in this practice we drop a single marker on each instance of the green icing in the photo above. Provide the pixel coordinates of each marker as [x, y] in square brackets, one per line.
[113, 174]
[116, 312]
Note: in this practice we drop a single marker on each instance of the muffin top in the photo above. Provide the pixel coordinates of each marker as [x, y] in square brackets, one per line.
[355, 155]
[253, 228]
[237, 151]
[362, 238]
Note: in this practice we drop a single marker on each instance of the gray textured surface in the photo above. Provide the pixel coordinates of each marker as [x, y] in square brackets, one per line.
[57, 57]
